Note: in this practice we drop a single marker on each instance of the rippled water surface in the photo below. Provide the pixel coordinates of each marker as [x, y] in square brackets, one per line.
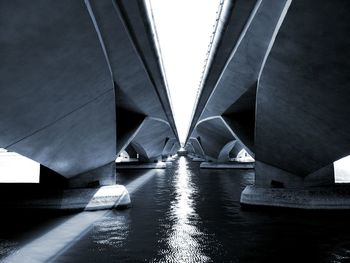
[184, 214]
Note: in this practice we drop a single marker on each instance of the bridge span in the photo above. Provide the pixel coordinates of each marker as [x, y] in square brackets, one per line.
[82, 83]
[277, 86]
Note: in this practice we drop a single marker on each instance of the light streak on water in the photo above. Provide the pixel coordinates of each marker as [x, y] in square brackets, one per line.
[54, 243]
[184, 237]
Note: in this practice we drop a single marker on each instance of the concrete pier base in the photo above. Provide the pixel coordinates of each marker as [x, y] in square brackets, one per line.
[197, 159]
[89, 199]
[158, 165]
[314, 198]
[230, 165]
[92, 190]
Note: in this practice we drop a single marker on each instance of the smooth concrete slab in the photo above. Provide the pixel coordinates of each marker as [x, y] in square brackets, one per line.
[316, 198]
[231, 165]
[88, 199]
[124, 165]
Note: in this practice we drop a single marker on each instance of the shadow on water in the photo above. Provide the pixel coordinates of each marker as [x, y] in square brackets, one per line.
[19, 226]
[185, 214]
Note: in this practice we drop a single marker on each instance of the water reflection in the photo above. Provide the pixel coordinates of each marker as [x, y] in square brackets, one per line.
[184, 214]
[111, 231]
[184, 237]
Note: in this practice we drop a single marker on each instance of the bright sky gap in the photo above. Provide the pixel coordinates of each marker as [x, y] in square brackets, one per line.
[184, 30]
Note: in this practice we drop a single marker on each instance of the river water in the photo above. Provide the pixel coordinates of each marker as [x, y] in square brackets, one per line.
[180, 214]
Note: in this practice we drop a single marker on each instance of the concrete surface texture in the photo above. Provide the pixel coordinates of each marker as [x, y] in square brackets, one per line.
[80, 81]
[232, 97]
[283, 94]
[63, 79]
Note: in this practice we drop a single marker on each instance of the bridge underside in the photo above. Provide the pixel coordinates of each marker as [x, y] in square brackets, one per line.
[283, 95]
[80, 82]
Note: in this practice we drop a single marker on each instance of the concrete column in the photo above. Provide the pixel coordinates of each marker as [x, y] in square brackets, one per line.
[302, 119]
[224, 161]
[101, 176]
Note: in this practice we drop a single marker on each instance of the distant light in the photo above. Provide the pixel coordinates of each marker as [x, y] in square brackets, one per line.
[184, 29]
[15, 168]
[342, 170]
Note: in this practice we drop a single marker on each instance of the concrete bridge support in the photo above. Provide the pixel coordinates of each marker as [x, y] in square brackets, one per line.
[229, 151]
[92, 190]
[310, 126]
[282, 94]
[80, 81]
[152, 141]
[195, 150]
[196, 146]
[170, 149]
[219, 144]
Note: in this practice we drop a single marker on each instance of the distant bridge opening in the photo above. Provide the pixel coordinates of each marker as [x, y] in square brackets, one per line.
[184, 32]
[342, 170]
[15, 168]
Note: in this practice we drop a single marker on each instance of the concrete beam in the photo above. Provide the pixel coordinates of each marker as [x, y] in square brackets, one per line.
[233, 95]
[235, 21]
